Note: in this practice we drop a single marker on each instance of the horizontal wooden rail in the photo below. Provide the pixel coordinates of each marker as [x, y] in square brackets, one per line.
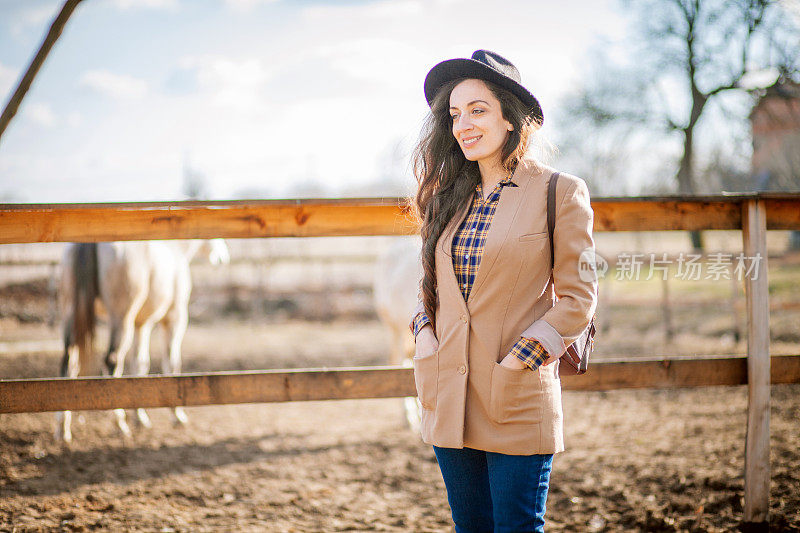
[216, 388]
[677, 372]
[254, 260]
[690, 213]
[21, 223]
[202, 220]
[55, 394]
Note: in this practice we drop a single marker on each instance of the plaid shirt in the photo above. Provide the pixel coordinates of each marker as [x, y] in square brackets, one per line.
[467, 248]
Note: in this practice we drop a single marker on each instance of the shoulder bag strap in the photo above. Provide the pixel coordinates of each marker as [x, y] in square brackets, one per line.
[551, 214]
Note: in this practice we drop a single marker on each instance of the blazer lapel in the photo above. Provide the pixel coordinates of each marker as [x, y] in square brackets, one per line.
[444, 246]
[506, 211]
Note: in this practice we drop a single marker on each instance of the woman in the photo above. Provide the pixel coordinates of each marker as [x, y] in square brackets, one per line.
[487, 328]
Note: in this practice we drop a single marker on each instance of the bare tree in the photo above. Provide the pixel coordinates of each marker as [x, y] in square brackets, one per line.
[714, 44]
[685, 55]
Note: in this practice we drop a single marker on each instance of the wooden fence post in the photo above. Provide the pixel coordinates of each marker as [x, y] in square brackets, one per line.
[756, 462]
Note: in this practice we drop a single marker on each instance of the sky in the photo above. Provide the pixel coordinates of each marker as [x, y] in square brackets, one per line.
[258, 98]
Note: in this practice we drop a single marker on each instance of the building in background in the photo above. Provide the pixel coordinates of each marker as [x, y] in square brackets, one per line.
[775, 121]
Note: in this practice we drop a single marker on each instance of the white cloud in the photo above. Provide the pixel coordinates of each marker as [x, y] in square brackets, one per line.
[41, 113]
[229, 82]
[38, 15]
[246, 5]
[793, 8]
[74, 119]
[8, 78]
[146, 4]
[34, 16]
[117, 86]
[374, 59]
[386, 9]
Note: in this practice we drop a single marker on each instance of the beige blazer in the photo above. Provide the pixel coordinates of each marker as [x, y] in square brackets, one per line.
[468, 399]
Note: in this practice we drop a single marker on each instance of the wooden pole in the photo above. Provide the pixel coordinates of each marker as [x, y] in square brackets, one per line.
[25, 83]
[666, 311]
[756, 463]
[734, 301]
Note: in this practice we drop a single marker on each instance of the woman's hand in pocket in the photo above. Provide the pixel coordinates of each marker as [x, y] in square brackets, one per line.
[426, 342]
[513, 362]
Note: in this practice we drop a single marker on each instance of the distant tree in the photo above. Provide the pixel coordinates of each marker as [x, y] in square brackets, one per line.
[194, 182]
[9, 196]
[684, 55]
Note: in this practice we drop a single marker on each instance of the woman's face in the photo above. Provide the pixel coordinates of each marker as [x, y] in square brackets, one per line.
[478, 123]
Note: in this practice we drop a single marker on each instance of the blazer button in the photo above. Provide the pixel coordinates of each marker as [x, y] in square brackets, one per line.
[464, 319]
[462, 369]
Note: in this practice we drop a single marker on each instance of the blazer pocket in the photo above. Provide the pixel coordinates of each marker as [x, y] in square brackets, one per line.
[515, 396]
[426, 377]
[533, 236]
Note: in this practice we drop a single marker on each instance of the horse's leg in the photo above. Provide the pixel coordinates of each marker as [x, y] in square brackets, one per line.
[77, 295]
[120, 342]
[143, 363]
[174, 329]
[69, 368]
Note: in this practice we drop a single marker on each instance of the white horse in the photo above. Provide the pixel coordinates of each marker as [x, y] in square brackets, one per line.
[136, 284]
[398, 272]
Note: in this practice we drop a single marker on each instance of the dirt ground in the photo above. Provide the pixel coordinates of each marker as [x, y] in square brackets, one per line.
[637, 460]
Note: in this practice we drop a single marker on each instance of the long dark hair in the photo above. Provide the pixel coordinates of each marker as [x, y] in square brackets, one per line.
[446, 178]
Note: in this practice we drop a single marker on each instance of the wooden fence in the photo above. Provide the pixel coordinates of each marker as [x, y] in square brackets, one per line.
[753, 214]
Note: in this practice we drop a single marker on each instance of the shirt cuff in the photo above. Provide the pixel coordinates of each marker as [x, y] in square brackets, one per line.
[420, 321]
[547, 335]
[531, 352]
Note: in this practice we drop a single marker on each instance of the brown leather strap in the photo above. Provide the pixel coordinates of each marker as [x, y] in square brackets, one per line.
[551, 214]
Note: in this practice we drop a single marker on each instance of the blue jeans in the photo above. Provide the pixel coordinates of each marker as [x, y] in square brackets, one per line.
[495, 492]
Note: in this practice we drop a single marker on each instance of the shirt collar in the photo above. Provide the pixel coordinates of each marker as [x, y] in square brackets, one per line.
[508, 180]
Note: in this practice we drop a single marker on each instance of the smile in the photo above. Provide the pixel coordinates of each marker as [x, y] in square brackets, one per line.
[471, 140]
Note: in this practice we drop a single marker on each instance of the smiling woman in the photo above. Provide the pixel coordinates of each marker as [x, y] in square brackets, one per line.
[488, 325]
[478, 123]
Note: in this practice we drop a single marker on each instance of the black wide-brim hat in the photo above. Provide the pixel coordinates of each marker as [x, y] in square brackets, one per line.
[487, 66]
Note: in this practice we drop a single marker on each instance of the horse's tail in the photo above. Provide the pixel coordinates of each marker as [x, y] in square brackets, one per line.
[85, 276]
